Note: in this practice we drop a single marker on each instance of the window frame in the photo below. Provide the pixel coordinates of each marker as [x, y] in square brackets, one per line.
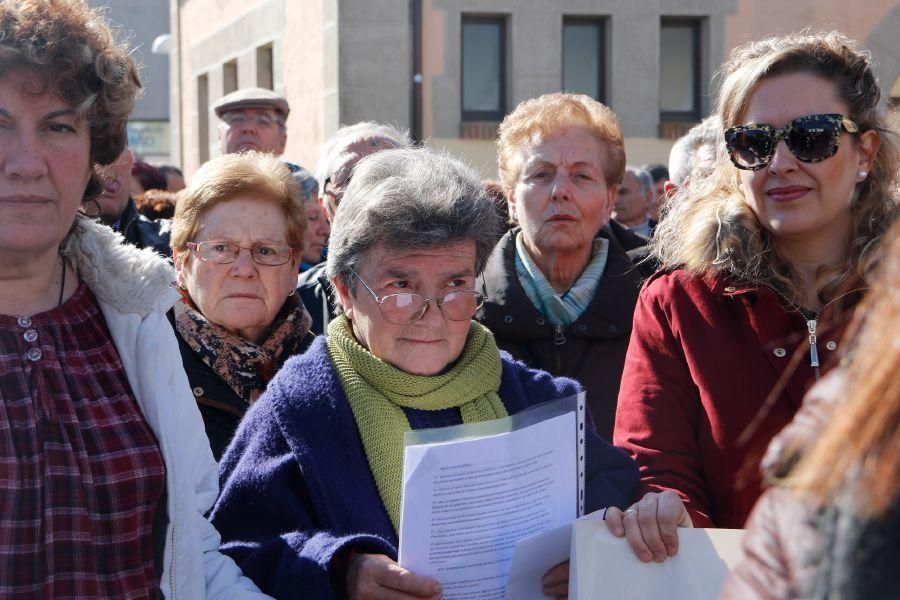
[696, 27]
[484, 115]
[601, 23]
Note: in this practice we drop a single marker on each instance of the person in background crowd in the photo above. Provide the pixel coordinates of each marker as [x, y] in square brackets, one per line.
[829, 526]
[337, 159]
[174, 177]
[498, 195]
[762, 261]
[660, 175]
[696, 151]
[106, 472]
[239, 319]
[116, 208]
[145, 177]
[156, 204]
[253, 119]
[311, 485]
[560, 288]
[634, 200]
[317, 226]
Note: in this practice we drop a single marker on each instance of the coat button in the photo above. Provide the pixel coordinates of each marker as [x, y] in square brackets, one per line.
[779, 352]
[507, 319]
[612, 328]
[582, 327]
[198, 391]
[34, 354]
[730, 289]
[539, 321]
[832, 345]
[24, 322]
[30, 335]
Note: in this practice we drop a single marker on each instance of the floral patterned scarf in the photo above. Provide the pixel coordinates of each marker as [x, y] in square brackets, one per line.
[246, 367]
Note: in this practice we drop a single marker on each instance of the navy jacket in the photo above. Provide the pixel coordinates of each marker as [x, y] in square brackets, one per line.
[297, 489]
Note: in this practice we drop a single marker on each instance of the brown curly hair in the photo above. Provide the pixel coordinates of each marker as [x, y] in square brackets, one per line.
[74, 51]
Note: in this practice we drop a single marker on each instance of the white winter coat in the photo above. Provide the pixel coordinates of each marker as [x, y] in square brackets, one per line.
[134, 292]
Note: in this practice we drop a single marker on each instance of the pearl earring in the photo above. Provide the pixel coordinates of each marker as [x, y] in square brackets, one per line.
[862, 174]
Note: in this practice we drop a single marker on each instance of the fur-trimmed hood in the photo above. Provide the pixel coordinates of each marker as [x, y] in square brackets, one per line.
[132, 280]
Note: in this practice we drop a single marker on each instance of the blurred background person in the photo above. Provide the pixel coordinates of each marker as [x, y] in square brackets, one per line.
[144, 177]
[338, 157]
[156, 204]
[634, 200]
[560, 288]
[107, 475]
[317, 226]
[660, 175]
[312, 483]
[237, 237]
[498, 195]
[829, 526]
[174, 177]
[763, 259]
[117, 209]
[697, 150]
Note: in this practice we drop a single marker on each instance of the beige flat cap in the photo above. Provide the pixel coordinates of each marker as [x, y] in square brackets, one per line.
[251, 98]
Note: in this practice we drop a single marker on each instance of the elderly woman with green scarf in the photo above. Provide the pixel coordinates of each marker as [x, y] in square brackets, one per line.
[312, 483]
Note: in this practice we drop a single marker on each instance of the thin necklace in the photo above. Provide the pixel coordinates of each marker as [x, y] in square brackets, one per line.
[812, 324]
[62, 286]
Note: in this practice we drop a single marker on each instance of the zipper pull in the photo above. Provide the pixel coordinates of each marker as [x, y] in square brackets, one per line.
[813, 349]
[560, 339]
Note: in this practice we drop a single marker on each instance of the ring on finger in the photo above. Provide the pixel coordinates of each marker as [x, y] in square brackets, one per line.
[630, 510]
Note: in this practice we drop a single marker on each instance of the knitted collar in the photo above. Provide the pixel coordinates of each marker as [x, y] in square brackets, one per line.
[246, 367]
[378, 393]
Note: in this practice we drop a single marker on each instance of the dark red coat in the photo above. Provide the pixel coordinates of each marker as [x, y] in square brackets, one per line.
[705, 353]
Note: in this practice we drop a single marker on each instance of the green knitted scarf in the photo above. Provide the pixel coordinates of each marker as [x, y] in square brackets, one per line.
[377, 393]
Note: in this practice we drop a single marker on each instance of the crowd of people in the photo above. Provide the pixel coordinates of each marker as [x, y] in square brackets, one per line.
[206, 381]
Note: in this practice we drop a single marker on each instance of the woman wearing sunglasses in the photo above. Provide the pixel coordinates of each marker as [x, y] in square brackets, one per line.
[237, 236]
[311, 497]
[761, 261]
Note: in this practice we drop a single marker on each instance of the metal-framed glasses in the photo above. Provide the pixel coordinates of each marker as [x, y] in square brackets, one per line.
[811, 139]
[222, 253]
[407, 308]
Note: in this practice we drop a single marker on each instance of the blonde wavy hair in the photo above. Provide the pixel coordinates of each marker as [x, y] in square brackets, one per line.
[709, 227]
[550, 113]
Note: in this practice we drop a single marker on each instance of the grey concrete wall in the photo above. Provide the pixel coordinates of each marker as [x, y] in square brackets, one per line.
[375, 46]
[140, 22]
[535, 53]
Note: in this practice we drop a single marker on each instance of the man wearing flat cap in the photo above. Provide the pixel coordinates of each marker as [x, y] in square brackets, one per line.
[252, 119]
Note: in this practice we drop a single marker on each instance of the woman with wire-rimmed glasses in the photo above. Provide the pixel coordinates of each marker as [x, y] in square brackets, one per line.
[763, 259]
[237, 238]
[311, 495]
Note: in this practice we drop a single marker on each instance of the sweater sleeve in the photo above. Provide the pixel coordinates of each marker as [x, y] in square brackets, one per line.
[610, 478]
[267, 517]
[659, 405]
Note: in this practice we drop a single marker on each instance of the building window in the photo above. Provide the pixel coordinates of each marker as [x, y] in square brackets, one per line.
[229, 77]
[203, 118]
[265, 76]
[483, 68]
[679, 70]
[584, 57]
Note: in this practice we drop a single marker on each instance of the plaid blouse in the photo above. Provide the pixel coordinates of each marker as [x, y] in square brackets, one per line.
[81, 474]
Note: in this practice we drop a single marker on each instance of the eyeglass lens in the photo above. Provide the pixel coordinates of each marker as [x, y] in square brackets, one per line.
[811, 139]
[226, 252]
[408, 308]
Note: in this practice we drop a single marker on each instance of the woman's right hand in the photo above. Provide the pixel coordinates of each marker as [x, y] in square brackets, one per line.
[377, 577]
[651, 525]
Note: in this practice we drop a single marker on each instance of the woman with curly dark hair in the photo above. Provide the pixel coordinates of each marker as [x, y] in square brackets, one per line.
[106, 472]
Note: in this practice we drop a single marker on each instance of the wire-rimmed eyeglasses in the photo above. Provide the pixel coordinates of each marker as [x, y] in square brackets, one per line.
[406, 308]
[222, 253]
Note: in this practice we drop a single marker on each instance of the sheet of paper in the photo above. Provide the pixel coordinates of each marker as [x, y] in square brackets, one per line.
[605, 568]
[536, 555]
[467, 503]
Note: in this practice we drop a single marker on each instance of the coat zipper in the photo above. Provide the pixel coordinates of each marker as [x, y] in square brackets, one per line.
[559, 339]
[812, 324]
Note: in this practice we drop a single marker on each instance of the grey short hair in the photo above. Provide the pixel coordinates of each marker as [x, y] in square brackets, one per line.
[335, 146]
[708, 133]
[309, 186]
[410, 198]
[645, 179]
